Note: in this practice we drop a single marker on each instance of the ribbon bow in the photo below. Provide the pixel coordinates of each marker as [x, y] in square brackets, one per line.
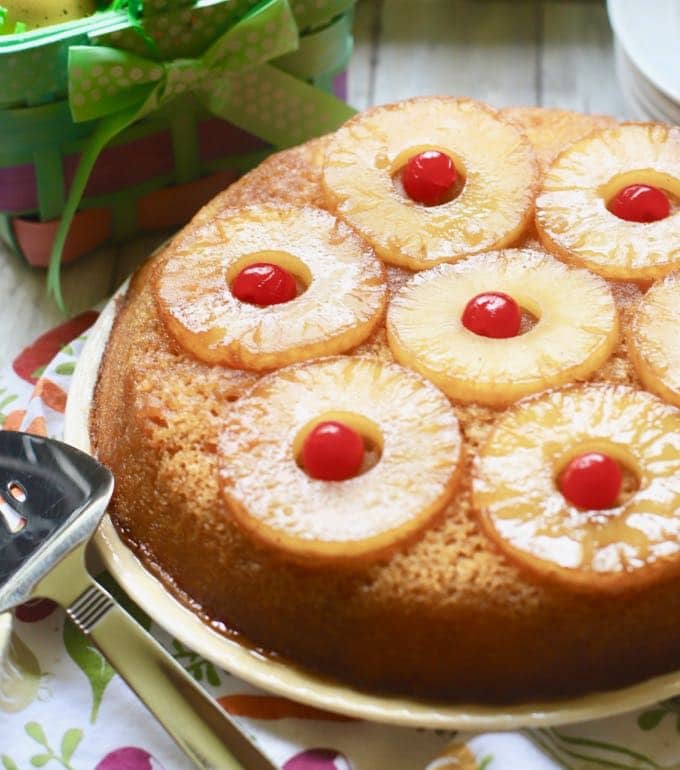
[231, 80]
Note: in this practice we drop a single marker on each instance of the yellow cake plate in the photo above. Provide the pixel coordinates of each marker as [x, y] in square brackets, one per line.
[291, 681]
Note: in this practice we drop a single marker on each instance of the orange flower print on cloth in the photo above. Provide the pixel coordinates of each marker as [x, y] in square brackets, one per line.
[457, 756]
[13, 420]
[51, 394]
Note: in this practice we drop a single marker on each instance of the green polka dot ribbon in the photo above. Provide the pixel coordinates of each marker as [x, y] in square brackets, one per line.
[232, 79]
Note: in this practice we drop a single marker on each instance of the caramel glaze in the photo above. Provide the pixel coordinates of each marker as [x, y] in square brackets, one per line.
[447, 616]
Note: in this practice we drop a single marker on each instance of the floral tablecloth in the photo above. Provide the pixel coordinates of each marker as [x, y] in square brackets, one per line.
[62, 705]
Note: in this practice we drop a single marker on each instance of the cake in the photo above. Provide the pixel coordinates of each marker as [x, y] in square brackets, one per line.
[401, 405]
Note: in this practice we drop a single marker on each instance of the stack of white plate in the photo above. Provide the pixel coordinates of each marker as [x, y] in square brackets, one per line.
[647, 36]
[5, 633]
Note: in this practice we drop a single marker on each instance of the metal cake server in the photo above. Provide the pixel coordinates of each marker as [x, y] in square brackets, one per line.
[52, 498]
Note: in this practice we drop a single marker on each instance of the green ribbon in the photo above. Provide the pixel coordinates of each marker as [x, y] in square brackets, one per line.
[231, 80]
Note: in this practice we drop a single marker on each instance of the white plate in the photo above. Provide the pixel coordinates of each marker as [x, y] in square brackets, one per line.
[639, 94]
[647, 102]
[291, 681]
[649, 31]
[5, 633]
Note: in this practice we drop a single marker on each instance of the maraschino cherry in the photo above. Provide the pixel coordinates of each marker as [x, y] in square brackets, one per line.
[264, 284]
[591, 480]
[492, 314]
[332, 452]
[640, 203]
[428, 177]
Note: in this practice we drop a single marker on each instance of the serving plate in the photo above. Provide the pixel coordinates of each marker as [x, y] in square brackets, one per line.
[291, 681]
[647, 101]
[649, 33]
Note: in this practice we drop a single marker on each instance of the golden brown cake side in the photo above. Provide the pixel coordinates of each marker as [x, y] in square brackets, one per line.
[448, 616]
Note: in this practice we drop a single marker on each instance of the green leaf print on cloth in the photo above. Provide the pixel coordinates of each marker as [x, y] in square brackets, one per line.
[648, 720]
[90, 661]
[574, 753]
[197, 666]
[19, 676]
[35, 731]
[5, 401]
[66, 368]
[69, 743]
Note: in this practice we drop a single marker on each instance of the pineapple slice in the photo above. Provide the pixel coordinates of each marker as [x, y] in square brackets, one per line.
[402, 416]
[343, 299]
[576, 330]
[496, 161]
[521, 508]
[572, 217]
[653, 341]
[550, 130]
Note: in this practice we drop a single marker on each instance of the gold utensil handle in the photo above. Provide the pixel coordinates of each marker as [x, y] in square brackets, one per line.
[199, 726]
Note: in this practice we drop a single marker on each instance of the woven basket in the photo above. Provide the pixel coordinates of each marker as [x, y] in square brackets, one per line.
[160, 170]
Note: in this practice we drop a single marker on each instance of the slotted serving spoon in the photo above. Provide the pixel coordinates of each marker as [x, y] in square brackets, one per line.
[52, 498]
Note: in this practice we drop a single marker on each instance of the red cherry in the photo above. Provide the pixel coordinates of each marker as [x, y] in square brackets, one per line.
[492, 314]
[264, 284]
[428, 177]
[640, 203]
[332, 452]
[591, 480]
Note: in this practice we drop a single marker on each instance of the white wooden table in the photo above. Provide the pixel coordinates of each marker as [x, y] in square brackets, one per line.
[550, 53]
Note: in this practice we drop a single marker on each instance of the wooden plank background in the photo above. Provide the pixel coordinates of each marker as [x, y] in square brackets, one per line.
[556, 54]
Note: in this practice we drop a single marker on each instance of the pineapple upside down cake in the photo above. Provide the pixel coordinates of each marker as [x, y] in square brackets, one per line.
[401, 405]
